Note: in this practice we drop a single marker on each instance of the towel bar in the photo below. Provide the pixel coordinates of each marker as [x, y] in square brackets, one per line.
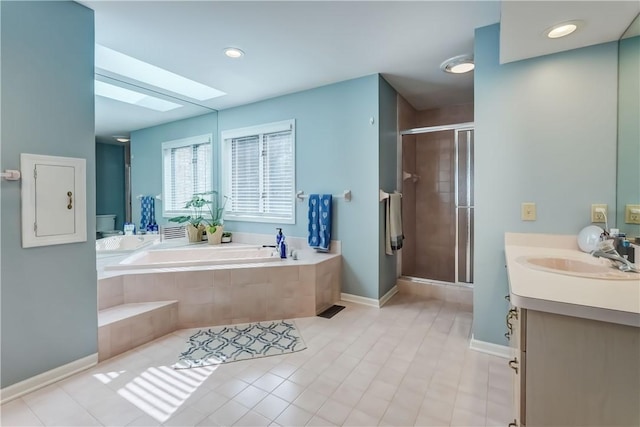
[385, 195]
[140, 196]
[346, 195]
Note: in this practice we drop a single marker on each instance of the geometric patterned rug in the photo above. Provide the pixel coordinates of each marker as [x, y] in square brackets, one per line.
[227, 344]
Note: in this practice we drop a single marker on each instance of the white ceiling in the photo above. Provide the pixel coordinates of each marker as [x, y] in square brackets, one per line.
[523, 25]
[297, 45]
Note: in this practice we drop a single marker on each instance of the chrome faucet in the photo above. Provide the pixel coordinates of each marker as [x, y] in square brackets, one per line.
[623, 264]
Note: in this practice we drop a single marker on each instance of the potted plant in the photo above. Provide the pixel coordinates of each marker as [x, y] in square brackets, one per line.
[195, 222]
[214, 222]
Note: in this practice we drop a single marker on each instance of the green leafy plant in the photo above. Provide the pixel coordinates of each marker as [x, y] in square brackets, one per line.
[216, 210]
[200, 205]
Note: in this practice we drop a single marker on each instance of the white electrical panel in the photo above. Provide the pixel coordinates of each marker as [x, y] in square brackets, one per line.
[54, 195]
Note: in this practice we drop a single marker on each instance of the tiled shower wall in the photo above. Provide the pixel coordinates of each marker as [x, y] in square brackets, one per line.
[435, 226]
[428, 204]
[407, 120]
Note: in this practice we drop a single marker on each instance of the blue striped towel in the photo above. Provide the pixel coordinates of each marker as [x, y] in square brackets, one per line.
[320, 221]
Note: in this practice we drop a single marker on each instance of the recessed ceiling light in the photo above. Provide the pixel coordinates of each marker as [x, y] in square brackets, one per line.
[132, 97]
[561, 30]
[127, 66]
[233, 52]
[458, 64]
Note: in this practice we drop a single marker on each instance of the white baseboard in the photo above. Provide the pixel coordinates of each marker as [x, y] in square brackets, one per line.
[386, 297]
[56, 374]
[359, 300]
[490, 348]
[371, 302]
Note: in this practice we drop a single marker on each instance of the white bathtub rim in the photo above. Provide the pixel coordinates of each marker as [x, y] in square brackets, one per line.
[315, 259]
[195, 257]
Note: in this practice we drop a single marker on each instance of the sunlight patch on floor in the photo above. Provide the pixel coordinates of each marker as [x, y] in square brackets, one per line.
[160, 391]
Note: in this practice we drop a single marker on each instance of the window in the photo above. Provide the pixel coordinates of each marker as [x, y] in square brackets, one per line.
[186, 170]
[259, 172]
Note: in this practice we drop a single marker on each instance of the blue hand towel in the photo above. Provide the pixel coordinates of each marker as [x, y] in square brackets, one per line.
[147, 211]
[320, 221]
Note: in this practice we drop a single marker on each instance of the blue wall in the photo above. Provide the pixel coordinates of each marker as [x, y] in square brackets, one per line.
[545, 133]
[336, 150]
[388, 173]
[47, 107]
[146, 157]
[110, 190]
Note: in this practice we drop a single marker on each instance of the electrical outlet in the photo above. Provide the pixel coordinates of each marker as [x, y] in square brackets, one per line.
[528, 211]
[596, 213]
[632, 214]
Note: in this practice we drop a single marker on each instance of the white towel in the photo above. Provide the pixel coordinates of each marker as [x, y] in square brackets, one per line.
[393, 229]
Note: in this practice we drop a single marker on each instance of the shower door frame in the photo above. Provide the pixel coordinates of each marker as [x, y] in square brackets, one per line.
[456, 128]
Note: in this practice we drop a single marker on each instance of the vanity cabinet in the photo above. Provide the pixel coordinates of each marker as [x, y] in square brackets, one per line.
[516, 323]
[571, 371]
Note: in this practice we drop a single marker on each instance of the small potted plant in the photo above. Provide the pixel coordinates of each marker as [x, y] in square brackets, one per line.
[214, 222]
[195, 222]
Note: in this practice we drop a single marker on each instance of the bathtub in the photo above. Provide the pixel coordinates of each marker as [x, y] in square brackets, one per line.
[200, 256]
[123, 244]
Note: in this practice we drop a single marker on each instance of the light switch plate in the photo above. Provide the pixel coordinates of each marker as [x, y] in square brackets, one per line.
[528, 211]
[632, 214]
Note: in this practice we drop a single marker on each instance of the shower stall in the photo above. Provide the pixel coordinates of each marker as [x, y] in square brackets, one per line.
[438, 204]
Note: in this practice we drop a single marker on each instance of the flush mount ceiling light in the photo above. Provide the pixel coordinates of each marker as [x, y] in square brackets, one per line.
[233, 52]
[561, 30]
[132, 97]
[127, 66]
[458, 64]
[121, 138]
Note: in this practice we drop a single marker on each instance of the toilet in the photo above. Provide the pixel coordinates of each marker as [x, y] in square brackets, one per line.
[106, 224]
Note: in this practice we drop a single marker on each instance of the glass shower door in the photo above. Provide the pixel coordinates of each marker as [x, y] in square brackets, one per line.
[464, 205]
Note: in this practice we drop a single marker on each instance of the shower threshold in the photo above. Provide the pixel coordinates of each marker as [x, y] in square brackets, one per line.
[425, 281]
[461, 293]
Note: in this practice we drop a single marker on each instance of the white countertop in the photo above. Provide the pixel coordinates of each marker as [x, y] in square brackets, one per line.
[615, 301]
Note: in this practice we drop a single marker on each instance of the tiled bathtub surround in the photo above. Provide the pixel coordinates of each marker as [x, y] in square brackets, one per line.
[223, 295]
[123, 327]
[235, 295]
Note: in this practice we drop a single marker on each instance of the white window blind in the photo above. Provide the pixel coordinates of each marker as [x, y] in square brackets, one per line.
[260, 172]
[187, 170]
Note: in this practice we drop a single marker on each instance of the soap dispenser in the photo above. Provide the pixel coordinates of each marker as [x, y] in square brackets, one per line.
[280, 244]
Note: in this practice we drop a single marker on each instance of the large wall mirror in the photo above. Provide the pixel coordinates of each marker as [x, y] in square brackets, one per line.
[628, 180]
[115, 202]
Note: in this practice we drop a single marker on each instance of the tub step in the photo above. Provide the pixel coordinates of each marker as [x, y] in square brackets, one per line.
[126, 326]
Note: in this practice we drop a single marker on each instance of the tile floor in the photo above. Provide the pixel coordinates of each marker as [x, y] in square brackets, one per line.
[405, 364]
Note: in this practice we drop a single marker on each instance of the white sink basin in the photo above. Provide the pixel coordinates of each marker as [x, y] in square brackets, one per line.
[575, 267]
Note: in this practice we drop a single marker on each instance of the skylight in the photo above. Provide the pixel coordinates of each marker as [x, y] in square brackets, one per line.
[132, 97]
[127, 66]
